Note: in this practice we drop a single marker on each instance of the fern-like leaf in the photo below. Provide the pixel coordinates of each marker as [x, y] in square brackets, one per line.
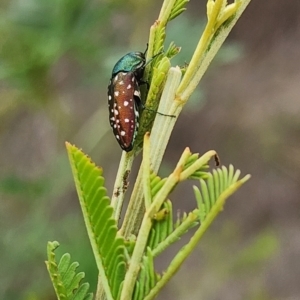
[102, 229]
[172, 50]
[147, 277]
[178, 8]
[65, 280]
[213, 192]
[162, 227]
[164, 232]
[201, 173]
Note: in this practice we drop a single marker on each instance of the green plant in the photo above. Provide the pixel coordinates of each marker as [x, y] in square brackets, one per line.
[125, 256]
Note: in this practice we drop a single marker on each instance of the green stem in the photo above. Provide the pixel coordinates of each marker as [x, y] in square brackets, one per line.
[201, 161]
[163, 126]
[100, 293]
[121, 183]
[146, 171]
[200, 49]
[189, 222]
[166, 11]
[208, 46]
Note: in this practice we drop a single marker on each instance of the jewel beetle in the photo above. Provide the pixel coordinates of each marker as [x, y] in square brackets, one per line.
[124, 97]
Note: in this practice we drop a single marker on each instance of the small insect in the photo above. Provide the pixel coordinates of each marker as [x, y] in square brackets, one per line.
[124, 98]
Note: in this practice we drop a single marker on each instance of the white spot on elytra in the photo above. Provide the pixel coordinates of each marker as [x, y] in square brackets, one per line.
[116, 112]
[116, 93]
[121, 82]
[117, 136]
[113, 118]
[109, 97]
[126, 103]
[128, 87]
[136, 93]
[123, 132]
[126, 120]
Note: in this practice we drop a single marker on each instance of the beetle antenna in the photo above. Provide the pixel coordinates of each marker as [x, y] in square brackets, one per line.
[157, 112]
[150, 60]
[146, 49]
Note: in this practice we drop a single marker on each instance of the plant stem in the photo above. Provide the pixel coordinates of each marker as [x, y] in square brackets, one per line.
[203, 55]
[121, 183]
[189, 222]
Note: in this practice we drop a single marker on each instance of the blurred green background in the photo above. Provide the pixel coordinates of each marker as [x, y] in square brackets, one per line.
[55, 63]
